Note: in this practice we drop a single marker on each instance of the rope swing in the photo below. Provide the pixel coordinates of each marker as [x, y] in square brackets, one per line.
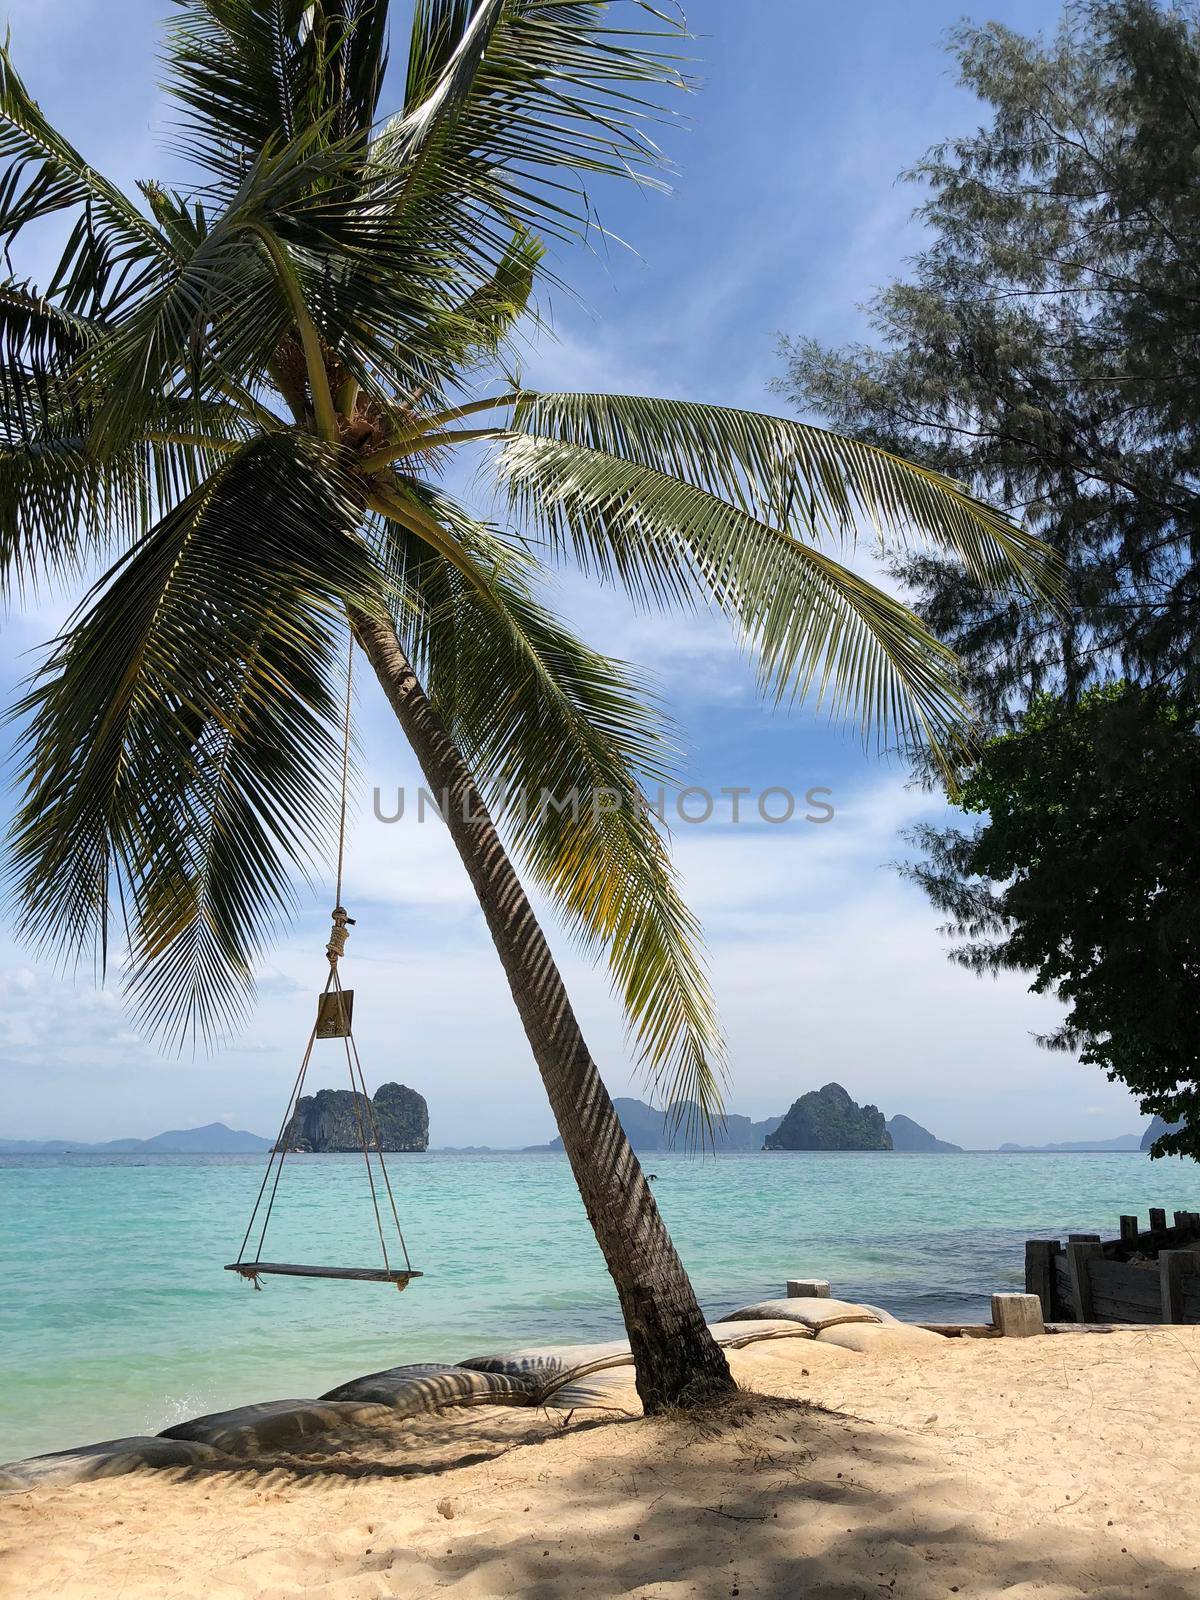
[335, 1010]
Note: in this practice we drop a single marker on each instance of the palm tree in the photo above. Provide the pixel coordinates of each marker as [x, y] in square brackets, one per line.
[243, 394]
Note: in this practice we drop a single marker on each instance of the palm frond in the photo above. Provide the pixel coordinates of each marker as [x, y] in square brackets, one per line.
[512, 106]
[41, 347]
[220, 314]
[805, 480]
[255, 73]
[179, 741]
[296, 244]
[356, 57]
[814, 625]
[61, 503]
[62, 508]
[480, 327]
[561, 740]
[533, 92]
[234, 65]
[437, 31]
[113, 251]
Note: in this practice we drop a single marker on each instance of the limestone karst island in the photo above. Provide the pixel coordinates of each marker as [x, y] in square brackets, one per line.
[330, 1121]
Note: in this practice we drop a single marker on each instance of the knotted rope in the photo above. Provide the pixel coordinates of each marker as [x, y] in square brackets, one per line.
[342, 923]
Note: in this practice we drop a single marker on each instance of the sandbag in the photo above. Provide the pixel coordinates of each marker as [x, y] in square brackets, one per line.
[430, 1386]
[815, 1313]
[108, 1459]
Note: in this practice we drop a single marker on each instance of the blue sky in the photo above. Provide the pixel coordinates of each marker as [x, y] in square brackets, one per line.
[786, 214]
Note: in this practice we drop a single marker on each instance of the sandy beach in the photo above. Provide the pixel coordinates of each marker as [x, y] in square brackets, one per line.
[1054, 1467]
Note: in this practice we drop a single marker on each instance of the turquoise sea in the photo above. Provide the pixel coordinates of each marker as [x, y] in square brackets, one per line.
[116, 1318]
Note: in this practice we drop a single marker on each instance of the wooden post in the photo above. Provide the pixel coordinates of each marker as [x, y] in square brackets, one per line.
[1040, 1277]
[1083, 1238]
[1129, 1232]
[1173, 1267]
[1017, 1316]
[1079, 1254]
[810, 1288]
[1158, 1220]
[1181, 1219]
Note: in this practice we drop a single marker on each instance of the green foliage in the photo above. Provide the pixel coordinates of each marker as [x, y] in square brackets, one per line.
[1039, 352]
[1086, 874]
[179, 740]
[238, 394]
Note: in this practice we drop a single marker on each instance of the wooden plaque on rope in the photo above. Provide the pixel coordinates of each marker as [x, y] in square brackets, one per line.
[334, 1011]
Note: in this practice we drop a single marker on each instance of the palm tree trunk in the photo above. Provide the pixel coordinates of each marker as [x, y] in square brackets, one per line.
[676, 1359]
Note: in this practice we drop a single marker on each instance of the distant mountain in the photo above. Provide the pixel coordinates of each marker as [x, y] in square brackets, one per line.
[828, 1119]
[740, 1133]
[649, 1129]
[644, 1126]
[1126, 1141]
[910, 1136]
[1156, 1130]
[214, 1139]
[38, 1147]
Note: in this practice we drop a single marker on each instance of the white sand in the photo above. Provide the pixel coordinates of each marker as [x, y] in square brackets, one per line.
[1059, 1467]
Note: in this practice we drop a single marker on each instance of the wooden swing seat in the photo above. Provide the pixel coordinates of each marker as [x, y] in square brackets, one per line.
[252, 1269]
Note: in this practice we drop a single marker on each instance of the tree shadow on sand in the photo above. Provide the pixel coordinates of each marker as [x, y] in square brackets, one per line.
[763, 1497]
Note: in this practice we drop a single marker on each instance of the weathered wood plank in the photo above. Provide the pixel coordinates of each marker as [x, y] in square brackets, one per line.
[961, 1330]
[1123, 1293]
[1112, 1309]
[1091, 1327]
[1189, 1305]
[1138, 1285]
[1082, 1255]
[1095, 1279]
[291, 1270]
[1174, 1266]
[1062, 1288]
[1040, 1276]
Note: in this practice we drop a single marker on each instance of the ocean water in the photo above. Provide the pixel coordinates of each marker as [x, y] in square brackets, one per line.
[116, 1318]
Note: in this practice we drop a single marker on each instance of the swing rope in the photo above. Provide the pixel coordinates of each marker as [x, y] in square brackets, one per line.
[368, 1125]
[341, 851]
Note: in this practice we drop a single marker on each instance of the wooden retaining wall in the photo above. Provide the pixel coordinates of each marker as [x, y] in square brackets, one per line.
[1094, 1280]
